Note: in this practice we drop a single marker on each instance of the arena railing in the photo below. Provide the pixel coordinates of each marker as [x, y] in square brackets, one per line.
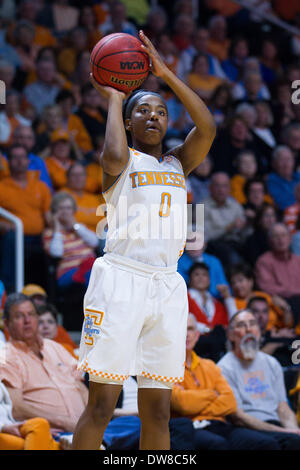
[269, 17]
[19, 248]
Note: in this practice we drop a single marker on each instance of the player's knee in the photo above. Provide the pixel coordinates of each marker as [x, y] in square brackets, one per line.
[100, 414]
[158, 415]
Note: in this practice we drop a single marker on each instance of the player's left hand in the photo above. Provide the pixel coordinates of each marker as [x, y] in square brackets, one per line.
[158, 67]
[107, 91]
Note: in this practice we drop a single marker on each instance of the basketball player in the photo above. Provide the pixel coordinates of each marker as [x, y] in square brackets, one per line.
[135, 306]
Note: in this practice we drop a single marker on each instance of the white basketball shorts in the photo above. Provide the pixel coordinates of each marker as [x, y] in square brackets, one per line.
[135, 322]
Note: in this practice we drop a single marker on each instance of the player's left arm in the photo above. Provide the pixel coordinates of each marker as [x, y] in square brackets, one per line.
[199, 140]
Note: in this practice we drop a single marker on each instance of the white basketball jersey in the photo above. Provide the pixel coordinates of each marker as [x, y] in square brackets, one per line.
[147, 210]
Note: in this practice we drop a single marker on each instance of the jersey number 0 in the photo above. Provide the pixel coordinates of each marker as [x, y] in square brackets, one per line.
[165, 204]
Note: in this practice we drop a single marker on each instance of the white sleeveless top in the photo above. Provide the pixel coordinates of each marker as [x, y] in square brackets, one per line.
[147, 210]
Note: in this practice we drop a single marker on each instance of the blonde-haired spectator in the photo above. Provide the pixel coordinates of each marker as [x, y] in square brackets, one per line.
[239, 92]
[73, 243]
[263, 134]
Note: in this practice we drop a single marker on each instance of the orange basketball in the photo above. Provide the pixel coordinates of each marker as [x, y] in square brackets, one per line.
[119, 61]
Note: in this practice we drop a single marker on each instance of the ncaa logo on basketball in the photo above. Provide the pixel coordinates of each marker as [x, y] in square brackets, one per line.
[2, 92]
[132, 65]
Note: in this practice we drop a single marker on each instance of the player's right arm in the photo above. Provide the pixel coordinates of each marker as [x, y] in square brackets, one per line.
[115, 153]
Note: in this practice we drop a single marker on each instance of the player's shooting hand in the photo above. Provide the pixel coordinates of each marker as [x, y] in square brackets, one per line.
[158, 67]
[107, 91]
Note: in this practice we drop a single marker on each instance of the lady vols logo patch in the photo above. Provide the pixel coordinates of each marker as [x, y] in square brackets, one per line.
[92, 322]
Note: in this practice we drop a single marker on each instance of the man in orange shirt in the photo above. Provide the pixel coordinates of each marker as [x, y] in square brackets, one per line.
[29, 199]
[94, 171]
[218, 43]
[40, 375]
[92, 112]
[87, 203]
[26, 197]
[60, 160]
[48, 325]
[66, 100]
[206, 397]
[28, 11]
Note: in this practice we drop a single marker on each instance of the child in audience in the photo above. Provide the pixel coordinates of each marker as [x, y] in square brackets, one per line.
[241, 279]
[210, 314]
[207, 310]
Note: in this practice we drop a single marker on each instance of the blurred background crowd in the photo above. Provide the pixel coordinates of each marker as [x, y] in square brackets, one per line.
[242, 60]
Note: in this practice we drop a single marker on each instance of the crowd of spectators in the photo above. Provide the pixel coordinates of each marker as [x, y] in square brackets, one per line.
[52, 130]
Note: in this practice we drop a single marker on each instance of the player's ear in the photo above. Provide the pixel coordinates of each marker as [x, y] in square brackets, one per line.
[128, 124]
